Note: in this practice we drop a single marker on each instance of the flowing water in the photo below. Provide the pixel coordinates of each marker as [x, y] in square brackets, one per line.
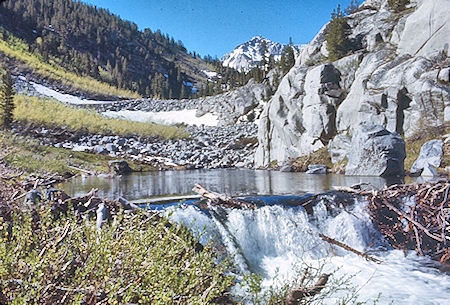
[274, 240]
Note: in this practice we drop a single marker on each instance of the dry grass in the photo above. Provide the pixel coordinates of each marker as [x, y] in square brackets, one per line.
[319, 157]
[427, 133]
[52, 113]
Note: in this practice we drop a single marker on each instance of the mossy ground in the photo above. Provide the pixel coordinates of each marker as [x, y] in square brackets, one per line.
[27, 155]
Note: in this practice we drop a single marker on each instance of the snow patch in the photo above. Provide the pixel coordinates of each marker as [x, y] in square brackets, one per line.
[65, 98]
[186, 116]
[210, 74]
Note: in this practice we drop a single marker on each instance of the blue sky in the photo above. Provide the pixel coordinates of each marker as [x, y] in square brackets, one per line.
[216, 27]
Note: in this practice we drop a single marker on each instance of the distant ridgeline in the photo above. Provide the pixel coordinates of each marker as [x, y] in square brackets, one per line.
[91, 41]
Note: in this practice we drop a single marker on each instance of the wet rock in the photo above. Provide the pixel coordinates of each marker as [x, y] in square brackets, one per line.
[317, 169]
[376, 152]
[286, 168]
[120, 167]
[430, 154]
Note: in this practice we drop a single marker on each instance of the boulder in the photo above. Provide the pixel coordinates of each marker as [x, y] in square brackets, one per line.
[444, 75]
[429, 171]
[376, 152]
[120, 167]
[430, 154]
[100, 149]
[111, 147]
[286, 168]
[317, 169]
[338, 147]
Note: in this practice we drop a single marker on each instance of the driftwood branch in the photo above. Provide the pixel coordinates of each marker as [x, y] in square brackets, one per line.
[295, 296]
[348, 248]
[220, 199]
[81, 170]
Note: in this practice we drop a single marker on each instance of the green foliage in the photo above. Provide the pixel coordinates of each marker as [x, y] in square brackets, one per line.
[136, 259]
[337, 33]
[51, 113]
[6, 100]
[90, 41]
[398, 5]
[17, 49]
[287, 60]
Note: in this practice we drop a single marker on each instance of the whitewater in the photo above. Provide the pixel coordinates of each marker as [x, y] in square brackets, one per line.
[276, 240]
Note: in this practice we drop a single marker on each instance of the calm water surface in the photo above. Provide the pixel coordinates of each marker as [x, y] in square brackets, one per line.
[228, 181]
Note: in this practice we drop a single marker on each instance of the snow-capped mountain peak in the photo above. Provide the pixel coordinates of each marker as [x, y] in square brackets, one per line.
[247, 55]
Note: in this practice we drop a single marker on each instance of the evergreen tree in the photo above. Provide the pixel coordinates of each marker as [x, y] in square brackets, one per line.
[337, 33]
[287, 59]
[264, 61]
[7, 100]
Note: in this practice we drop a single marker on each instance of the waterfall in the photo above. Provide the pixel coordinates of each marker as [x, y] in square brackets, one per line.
[272, 240]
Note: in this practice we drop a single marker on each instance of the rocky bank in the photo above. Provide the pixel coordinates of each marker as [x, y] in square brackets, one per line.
[397, 78]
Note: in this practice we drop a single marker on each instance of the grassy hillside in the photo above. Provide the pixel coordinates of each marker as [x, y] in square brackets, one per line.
[52, 113]
[92, 42]
[17, 49]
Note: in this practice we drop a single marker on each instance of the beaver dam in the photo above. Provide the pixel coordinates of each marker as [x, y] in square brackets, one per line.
[391, 244]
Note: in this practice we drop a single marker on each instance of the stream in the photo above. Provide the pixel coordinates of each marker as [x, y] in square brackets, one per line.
[277, 239]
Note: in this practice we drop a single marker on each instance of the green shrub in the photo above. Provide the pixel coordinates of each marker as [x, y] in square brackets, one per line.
[6, 100]
[136, 259]
[398, 5]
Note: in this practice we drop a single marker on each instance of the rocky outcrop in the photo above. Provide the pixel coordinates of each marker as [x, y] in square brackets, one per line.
[430, 154]
[300, 117]
[376, 152]
[394, 78]
[240, 105]
[427, 29]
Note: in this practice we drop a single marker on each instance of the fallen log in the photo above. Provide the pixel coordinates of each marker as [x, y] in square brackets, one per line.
[81, 170]
[220, 199]
[348, 248]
